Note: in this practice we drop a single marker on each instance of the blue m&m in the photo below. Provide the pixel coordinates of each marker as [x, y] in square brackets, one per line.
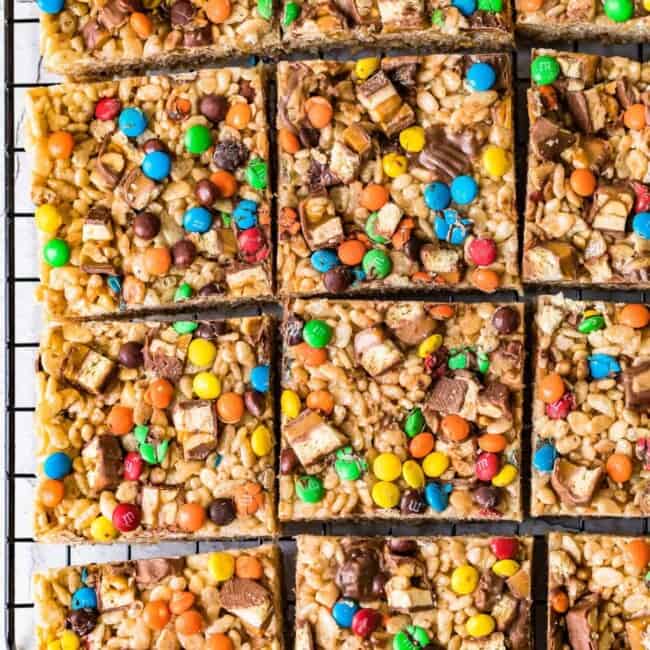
[84, 598]
[245, 214]
[57, 465]
[324, 259]
[197, 219]
[260, 378]
[50, 6]
[603, 365]
[544, 458]
[464, 190]
[437, 196]
[451, 228]
[343, 612]
[437, 495]
[132, 122]
[641, 224]
[466, 7]
[481, 76]
[157, 165]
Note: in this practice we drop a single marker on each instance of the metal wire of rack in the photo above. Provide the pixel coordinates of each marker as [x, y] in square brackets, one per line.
[22, 555]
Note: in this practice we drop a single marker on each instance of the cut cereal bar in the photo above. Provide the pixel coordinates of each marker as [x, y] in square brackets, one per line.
[591, 426]
[588, 197]
[461, 593]
[92, 38]
[406, 410]
[224, 599]
[607, 20]
[396, 173]
[448, 25]
[154, 431]
[598, 592]
[152, 192]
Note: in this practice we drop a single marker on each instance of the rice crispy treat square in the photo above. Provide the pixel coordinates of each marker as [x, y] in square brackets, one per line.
[597, 591]
[152, 193]
[154, 431]
[607, 21]
[591, 451]
[396, 173]
[164, 602]
[468, 593]
[485, 24]
[92, 38]
[401, 410]
[588, 195]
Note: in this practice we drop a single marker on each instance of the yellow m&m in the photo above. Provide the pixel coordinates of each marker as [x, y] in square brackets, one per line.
[202, 353]
[385, 494]
[480, 625]
[363, 68]
[221, 566]
[290, 404]
[102, 529]
[206, 385]
[48, 218]
[412, 139]
[435, 464]
[394, 164]
[464, 579]
[387, 467]
[495, 161]
[261, 441]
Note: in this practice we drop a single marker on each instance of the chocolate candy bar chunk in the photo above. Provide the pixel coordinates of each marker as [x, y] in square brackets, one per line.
[193, 601]
[401, 410]
[591, 407]
[396, 173]
[403, 592]
[589, 575]
[588, 190]
[154, 431]
[151, 193]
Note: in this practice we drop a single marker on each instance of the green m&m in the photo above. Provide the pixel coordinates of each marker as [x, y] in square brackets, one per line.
[544, 70]
[414, 423]
[491, 6]
[619, 10]
[184, 326]
[310, 489]
[183, 292]
[257, 174]
[291, 12]
[376, 264]
[265, 9]
[591, 322]
[458, 360]
[56, 252]
[412, 637]
[317, 333]
[348, 465]
[371, 225]
[198, 139]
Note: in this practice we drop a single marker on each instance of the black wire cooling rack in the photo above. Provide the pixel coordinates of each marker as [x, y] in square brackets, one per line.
[22, 555]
